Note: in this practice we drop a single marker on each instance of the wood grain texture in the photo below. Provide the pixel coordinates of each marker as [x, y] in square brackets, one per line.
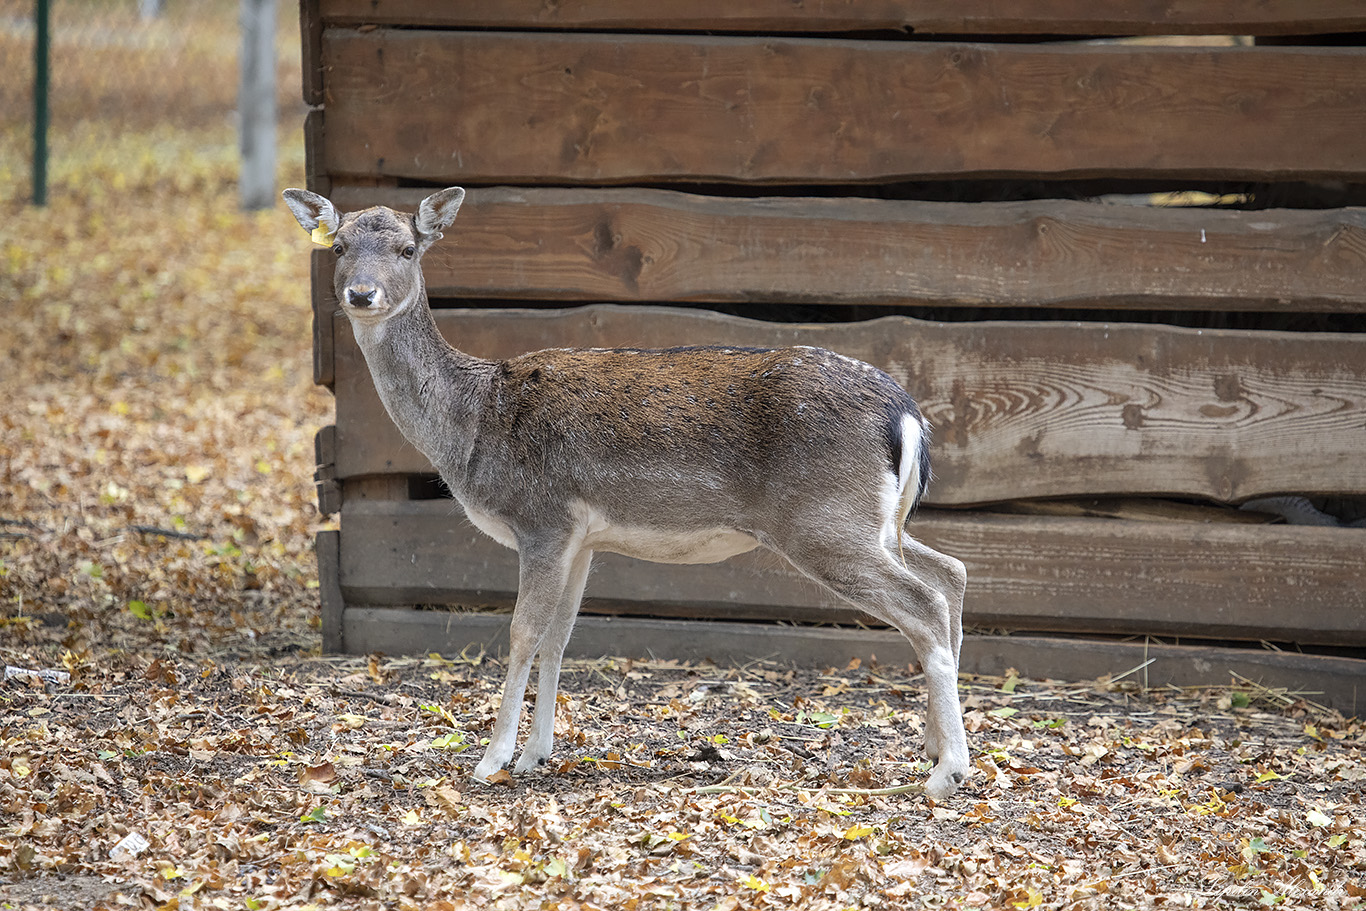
[633, 244]
[1020, 409]
[311, 25]
[321, 266]
[315, 171]
[1335, 682]
[325, 475]
[1054, 17]
[1024, 573]
[497, 107]
[328, 548]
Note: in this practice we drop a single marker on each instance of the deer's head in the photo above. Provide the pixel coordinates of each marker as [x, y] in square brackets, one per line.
[378, 250]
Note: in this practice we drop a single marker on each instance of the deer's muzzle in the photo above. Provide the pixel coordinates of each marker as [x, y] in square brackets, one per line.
[362, 296]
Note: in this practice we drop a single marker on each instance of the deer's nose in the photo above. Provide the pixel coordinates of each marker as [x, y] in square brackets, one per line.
[362, 296]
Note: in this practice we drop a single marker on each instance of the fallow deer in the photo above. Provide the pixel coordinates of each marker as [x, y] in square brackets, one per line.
[677, 455]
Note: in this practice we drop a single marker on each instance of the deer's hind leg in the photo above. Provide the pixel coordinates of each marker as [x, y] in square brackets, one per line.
[924, 601]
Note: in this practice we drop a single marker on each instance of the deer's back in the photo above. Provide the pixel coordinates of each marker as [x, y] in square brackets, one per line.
[704, 435]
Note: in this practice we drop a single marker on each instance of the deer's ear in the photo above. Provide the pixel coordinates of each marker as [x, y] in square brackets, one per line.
[315, 214]
[437, 211]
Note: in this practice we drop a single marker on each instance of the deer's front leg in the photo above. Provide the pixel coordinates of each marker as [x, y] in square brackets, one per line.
[543, 577]
[539, 742]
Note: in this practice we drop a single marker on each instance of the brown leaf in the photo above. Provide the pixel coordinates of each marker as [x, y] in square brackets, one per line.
[318, 777]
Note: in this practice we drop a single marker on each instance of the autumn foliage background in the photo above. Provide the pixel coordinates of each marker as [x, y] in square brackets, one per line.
[157, 516]
[156, 446]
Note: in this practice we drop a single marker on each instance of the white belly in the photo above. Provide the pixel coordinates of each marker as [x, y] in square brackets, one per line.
[709, 545]
[660, 545]
[492, 526]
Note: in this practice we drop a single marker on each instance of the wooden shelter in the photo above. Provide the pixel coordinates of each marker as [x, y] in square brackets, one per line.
[1124, 275]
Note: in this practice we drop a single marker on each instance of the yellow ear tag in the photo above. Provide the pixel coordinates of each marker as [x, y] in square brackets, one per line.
[323, 235]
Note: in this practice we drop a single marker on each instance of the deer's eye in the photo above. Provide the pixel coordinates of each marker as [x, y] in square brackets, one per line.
[409, 251]
[337, 249]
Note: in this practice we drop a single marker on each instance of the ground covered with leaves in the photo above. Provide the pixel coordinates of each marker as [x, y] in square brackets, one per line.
[186, 746]
[318, 782]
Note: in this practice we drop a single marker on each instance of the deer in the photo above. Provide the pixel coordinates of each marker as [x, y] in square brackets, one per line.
[675, 455]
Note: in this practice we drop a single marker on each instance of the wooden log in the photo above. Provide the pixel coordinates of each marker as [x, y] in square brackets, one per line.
[955, 17]
[1020, 409]
[494, 107]
[1335, 682]
[1278, 583]
[655, 245]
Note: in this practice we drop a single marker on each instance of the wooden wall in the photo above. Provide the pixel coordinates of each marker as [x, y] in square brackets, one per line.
[901, 183]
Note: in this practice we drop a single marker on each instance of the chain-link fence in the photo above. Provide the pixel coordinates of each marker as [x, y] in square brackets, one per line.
[136, 88]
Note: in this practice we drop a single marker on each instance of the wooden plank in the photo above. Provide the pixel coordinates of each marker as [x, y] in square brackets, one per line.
[328, 545]
[1279, 583]
[325, 306]
[655, 245]
[1335, 682]
[325, 454]
[956, 17]
[1137, 509]
[1020, 409]
[315, 171]
[497, 107]
[311, 36]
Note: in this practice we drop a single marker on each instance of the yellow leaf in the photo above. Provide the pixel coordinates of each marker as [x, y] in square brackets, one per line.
[756, 883]
[196, 473]
[348, 721]
[854, 833]
[412, 818]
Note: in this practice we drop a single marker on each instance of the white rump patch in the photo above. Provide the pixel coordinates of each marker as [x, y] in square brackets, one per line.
[899, 494]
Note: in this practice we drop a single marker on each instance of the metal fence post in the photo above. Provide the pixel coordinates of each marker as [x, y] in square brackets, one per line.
[41, 41]
[256, 104]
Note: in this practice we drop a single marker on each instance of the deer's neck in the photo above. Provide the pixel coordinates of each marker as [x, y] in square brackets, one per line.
[433, 392]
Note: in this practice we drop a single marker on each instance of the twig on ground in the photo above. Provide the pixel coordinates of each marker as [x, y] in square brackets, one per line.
[726, 788]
